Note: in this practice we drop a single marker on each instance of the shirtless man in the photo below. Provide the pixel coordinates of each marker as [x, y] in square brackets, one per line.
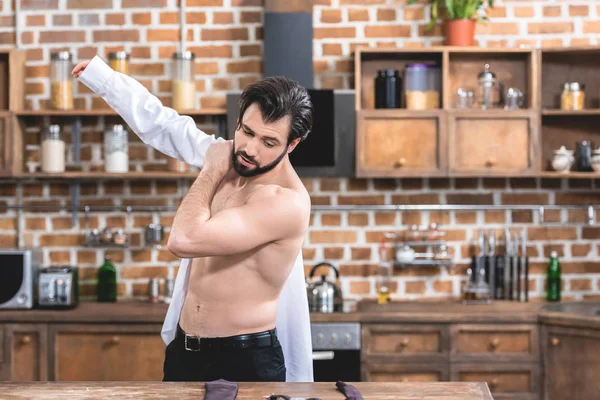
[242, 223]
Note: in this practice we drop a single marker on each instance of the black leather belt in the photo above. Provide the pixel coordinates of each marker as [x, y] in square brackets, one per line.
[252, 340]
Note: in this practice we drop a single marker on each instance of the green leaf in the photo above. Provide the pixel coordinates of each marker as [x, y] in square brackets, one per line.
[450, 8]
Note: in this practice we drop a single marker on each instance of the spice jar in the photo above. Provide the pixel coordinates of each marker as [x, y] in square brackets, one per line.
[183, 83]
[61, 86]
[53, 150]
[116, 149]
[422, 82]
[119, 61]
[573, 96]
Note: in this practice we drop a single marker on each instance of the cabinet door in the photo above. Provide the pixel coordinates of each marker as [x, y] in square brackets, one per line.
[511, 343]
[396, 143]
[506, 381]
[27, 352]
[492, 142]
[6, 156]
[571, 363]
[405, 343]
[402, 372]
[107, 353]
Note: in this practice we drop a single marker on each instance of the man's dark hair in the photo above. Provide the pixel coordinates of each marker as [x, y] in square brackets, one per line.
[277, 97]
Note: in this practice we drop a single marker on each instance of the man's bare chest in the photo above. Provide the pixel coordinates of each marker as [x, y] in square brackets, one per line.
[228, 196]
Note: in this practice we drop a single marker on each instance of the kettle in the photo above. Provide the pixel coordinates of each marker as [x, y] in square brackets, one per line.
[324, 296]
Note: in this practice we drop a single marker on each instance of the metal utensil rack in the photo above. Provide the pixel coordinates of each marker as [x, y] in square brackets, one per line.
[428, 258]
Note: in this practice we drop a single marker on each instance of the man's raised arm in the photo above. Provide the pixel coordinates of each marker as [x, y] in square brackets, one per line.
[158, 126]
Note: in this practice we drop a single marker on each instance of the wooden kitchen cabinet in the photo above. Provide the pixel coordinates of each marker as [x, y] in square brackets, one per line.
[402, 372]
[505, 380]
[397, 143]
[493, 142]
[571, 362]
[106, 353]
[24, 357]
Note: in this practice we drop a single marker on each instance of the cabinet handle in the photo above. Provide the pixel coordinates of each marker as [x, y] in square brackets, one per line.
[26, 340]
[490, 162]
[494, 383]
[405, 379]
[115, 340]
[555, 341]
[400, 163]
[494, 344]
[403, 343]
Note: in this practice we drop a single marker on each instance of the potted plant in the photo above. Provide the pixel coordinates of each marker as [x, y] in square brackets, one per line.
[459, 19]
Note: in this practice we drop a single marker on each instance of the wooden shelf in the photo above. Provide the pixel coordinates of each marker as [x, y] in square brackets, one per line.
[492, 113]
[570, 175]
[108, 175]
[110, 112]
[589, 111]
[400, 113]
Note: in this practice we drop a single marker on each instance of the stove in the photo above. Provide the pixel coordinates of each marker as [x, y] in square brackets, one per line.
[336, 351]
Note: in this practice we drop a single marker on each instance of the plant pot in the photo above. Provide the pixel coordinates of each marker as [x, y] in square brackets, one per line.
[460, 32]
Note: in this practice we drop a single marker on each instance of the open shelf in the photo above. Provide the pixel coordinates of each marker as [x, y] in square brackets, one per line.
[108, 176]
[109, 112]
[571, 175]
[588, 111]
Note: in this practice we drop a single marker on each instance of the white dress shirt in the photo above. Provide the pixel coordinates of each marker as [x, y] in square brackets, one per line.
[177, 136]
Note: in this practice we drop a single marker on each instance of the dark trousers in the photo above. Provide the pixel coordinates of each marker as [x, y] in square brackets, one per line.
[222, 358]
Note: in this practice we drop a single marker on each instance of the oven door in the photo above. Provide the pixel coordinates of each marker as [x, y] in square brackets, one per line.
[336, 351]
[336, 365]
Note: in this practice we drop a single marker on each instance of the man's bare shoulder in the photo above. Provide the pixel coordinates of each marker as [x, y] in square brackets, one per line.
[290, 205]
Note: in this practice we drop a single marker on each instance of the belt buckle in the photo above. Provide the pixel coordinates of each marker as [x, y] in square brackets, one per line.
[186, 343]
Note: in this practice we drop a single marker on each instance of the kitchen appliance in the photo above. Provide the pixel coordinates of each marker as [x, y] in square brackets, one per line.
[18, 277]
[336, 351]
[324, 296]
[58, 287]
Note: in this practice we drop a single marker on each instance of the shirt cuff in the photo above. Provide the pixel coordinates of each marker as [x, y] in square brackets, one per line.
[96, 74]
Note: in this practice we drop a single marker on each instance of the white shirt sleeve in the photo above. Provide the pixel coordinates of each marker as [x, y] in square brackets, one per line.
[156, 125]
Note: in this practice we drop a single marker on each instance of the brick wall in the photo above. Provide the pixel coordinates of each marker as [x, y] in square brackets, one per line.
[226, 37]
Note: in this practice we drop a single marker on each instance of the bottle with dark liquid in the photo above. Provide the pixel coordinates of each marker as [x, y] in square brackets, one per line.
[106, 290]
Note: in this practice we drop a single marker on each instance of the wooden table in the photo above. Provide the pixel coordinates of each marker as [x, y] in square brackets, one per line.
[247, 391]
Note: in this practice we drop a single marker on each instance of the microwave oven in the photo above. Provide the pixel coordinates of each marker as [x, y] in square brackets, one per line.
[18, 277]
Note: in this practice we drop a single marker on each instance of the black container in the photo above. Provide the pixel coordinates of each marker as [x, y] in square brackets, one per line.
[388, 89]
[583, 156]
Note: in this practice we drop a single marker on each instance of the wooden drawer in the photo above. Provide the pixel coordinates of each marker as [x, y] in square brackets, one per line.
[494, 343]
[107, 353]
[504, 380]
[407, 342]
[492, 142]
[394, 372]
[400, 143]
[27, 352]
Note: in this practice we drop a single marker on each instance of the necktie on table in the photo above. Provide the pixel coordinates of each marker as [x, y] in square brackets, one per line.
[349, 391]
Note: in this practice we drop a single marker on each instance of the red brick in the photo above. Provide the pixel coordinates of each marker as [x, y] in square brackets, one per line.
[339, 32]
[360, 287]
[358, 219]
[222, 17]
[333, 253]
[443, 286]
[222, 84]
[224, 34]
[393, 31]
[63, 257]
[470, 198]
[577, 285]
[425, 198]
[357, 184]
[590, 232]
[143, 3]
[581, 198]
[344, 66]
[361, 2]
[330, 16]
[525, 198]
[415, 287]
[494, 217]
[7, 21]
[385, 218]
[523, 12]
[552, 11]
[35, 224]
[358, 14]
[549, 248]
[361, 200]
[144, 272]
[204, 3]
[591, 26]
[141, 18]
[167, 35]
[40, 5]
[120, 35]
[115, 19]
[522, 216]
[333, 236]
[242, 67]
[550, 27]
[66, 240]
[386, 14]
[62, 37]
[579, 10]
[147, 69]
[35, 20]
[331, 220]
[581, 250]
[248, 17]
[141, 52]
[551, 233]
[309, 254]
[8, 241]
[249, 50]
[414, 13]
[9, 37]
[360, 253]
[329, 184]
[7, 224]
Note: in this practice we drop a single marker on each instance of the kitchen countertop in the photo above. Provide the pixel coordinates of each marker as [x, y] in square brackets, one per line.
[584, 313]
[247, 391]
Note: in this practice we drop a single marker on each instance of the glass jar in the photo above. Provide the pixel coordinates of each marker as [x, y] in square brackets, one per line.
[61, 86]
[572, 96]
[119, 61]
[388, 89]
[116, 149]
[422, 86]
[53, 150]
[183, 81]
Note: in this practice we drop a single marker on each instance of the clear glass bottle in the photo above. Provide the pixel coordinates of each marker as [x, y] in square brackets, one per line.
[183, 81]
[572, 96]
[106, 289]
[53, 150]
[116, 147]
[422, 86]
[61, 83]
[119, 61]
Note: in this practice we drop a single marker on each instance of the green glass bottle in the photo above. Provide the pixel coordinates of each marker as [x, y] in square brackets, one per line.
[553, 278]
[106, 290]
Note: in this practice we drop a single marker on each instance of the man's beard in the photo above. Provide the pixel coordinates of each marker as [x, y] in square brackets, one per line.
[245, 171]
